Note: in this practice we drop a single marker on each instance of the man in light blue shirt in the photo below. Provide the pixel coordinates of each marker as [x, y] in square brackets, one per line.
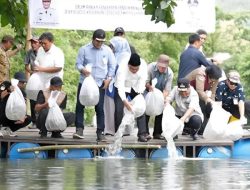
[101, 59]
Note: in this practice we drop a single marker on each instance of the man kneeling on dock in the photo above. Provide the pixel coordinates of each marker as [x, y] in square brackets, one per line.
[187, 106]
[42, 107]
[8, 126]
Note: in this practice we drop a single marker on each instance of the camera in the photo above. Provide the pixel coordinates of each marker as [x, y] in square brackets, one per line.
[5, 86]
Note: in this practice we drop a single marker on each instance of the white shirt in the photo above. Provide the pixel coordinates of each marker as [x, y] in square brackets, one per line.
[125, 80]
[52, 58]
[184, 103]
[46, 17]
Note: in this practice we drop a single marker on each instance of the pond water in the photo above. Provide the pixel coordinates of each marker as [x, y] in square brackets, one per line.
[117, 173]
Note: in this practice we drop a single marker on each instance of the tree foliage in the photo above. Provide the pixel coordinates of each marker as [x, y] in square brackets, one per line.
[161, 10]
[15, 13]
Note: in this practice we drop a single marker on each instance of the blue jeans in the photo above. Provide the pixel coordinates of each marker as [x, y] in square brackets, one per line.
[79, 122]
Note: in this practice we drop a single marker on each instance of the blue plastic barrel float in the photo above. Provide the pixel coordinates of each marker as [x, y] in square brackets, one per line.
[214, 152]
[74, 153]
[125, 153]
[162, 153]
[241, 149]
[14, 154]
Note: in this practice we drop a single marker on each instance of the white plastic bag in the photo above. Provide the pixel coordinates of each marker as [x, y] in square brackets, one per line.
[34, 85]
[15, 107]
[55, 120]
[89, 93]
[234, 131]
[138, 106]
[171, 125]
[154, 102]
[217, 123]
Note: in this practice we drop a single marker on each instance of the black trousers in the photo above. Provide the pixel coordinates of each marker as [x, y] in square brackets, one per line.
[157, 124]
[193, 125]
[247, 109]
[206, 110]
[40, 123]
[13, 126]
[119, 106]
[32, 111]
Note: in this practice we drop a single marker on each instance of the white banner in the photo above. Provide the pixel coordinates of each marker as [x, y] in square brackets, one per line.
[190, 15]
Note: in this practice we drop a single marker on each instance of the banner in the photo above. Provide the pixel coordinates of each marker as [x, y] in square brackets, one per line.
[190, 15]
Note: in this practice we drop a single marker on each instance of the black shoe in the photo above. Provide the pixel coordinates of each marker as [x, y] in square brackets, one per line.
[200, 133]
[43, 134]
[194, 137]
[125, 135]
[78, 134]
[101, 138]
[176, 137]
[142, 138]
[158, 136]
[56, 135]
[108, 134]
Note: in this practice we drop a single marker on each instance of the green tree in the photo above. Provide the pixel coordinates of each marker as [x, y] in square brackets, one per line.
[161, 10]
[15, 13]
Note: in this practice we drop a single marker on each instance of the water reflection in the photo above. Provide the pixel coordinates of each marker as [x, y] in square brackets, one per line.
[124, 174]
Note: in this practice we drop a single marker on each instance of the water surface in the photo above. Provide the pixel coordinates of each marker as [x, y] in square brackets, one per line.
[104, 174]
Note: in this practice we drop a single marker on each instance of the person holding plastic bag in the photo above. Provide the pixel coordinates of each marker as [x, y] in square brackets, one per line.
[162, 74]
[44, 104]
[7, 125]
[205, 81]
[187, 106]
[102, 61]
[231, 96]
[29, 62]
[49, 60]
[130, 81]
[121, 50]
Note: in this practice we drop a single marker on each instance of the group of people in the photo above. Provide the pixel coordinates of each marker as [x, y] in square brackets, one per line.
[44, 57]
[121, 74]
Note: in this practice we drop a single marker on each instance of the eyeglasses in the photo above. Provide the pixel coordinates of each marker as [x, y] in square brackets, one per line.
[232, 83]
[202, 38]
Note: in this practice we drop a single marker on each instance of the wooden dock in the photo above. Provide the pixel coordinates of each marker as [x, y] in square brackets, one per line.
[189, 147]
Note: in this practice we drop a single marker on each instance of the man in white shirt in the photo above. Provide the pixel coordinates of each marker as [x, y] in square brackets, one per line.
[130, 81]
[50, 59]
[187, 106]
